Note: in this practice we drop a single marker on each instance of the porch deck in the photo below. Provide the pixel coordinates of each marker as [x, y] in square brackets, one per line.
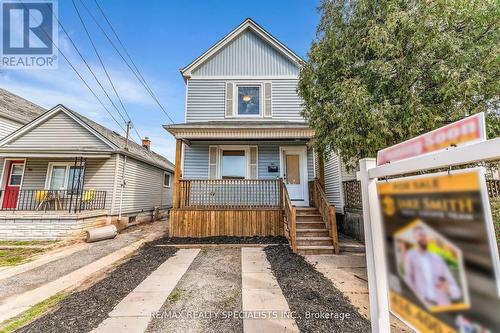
[245, 208]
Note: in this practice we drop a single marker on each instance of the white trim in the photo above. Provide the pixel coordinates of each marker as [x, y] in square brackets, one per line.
[236, 86]
[246, 77]
[245, 148]
[3, 171]
[115, 182]
[68, 165]
[49, 114]
[302, 150]
[250, 24]
[169, 179]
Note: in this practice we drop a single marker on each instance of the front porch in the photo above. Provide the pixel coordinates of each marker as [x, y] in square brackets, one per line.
[251, 179]
[53, 197]
[57, 184]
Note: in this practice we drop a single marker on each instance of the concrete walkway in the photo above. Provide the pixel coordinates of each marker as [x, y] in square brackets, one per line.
[134, 312]
[261, 292]
[21, 291]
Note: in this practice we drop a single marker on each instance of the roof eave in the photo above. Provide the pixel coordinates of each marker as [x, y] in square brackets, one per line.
[247, 23]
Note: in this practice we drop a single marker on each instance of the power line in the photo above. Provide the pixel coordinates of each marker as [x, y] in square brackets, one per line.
[76, 71]
[104, 67]
[88, 66]
[138, 75]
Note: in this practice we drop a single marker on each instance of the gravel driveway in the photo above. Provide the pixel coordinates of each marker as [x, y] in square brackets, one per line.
[51, 271]
[211, 284]
[85, 310]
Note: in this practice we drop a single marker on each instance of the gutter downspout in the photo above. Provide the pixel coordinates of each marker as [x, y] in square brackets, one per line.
[124, 182]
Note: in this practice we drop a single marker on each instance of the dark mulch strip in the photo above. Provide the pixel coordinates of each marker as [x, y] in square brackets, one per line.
[225, 240]
[85, 310]
[307, 290]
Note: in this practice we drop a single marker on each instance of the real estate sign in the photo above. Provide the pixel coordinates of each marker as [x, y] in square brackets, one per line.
[466, 131]
[441, 252]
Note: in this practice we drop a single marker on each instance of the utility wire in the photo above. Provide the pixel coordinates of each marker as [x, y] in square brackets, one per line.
[130, 58]
[76, 71]
[136, 72]
[104, 67]
[88, 66]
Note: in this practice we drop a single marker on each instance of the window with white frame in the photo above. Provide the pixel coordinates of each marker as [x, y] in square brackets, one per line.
[233, 162]
[248, 100]
[166, 179]
[64, 176]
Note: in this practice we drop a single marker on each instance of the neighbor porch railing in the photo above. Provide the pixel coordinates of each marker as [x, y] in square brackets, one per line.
[52, 200]
[229, 193]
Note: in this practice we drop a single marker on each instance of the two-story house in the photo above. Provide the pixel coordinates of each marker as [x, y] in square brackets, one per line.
[247, 163]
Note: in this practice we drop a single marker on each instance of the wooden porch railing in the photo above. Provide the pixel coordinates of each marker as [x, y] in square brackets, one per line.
[327, 211]
[229, 193]
[290, 217]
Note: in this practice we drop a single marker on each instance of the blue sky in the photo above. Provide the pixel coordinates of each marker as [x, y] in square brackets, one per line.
[161, 36]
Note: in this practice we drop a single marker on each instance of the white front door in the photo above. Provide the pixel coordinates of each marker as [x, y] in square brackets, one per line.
[294, 172]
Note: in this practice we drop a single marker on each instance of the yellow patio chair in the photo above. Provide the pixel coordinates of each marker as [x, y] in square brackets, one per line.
[88, 195]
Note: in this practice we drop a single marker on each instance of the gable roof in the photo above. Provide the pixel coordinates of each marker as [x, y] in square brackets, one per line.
[17, 108]
[247, 24]
[113, 140]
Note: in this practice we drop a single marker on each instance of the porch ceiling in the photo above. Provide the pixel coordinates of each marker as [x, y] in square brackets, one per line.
[241, 130]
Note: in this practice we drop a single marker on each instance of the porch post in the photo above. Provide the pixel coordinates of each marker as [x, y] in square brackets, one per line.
[177, 174]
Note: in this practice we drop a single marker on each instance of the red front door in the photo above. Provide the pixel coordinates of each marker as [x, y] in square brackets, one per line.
[15, 171]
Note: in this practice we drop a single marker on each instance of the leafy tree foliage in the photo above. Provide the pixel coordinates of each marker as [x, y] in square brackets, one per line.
[381, 72]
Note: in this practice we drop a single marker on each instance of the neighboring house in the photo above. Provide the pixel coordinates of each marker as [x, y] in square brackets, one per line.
[243, 133]
[63, 173]
[15, 112]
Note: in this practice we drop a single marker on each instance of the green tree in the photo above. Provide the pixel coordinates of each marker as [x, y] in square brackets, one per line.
[381, 72]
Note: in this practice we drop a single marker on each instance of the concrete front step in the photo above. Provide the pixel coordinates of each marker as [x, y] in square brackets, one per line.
[322, 232]
[351, 248]
[315, 249]
[310, 241]
[310, 225]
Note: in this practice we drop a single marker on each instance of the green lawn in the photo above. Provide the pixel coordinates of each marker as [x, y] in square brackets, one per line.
[33, 313]
[12, 257]
[25, 243]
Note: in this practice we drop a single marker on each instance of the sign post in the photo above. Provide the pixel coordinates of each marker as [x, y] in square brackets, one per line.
[375, 256]
[432, 258]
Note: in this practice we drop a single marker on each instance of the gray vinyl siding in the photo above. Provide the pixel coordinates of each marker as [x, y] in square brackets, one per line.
[248, 54]
[59, 131]
[206, 100]
[333, 182]
[144, 187]
[286, 103]
[7, 126]
[99, 174]
[196, 158]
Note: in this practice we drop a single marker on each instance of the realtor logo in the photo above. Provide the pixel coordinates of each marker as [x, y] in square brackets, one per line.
[29, 34]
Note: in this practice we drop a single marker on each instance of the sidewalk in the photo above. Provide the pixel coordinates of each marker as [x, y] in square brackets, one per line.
[29, 287]
[348, 273]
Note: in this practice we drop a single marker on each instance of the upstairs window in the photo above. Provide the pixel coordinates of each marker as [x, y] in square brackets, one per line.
[248, 100]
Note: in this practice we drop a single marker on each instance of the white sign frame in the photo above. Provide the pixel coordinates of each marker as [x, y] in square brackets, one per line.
[369, 174]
